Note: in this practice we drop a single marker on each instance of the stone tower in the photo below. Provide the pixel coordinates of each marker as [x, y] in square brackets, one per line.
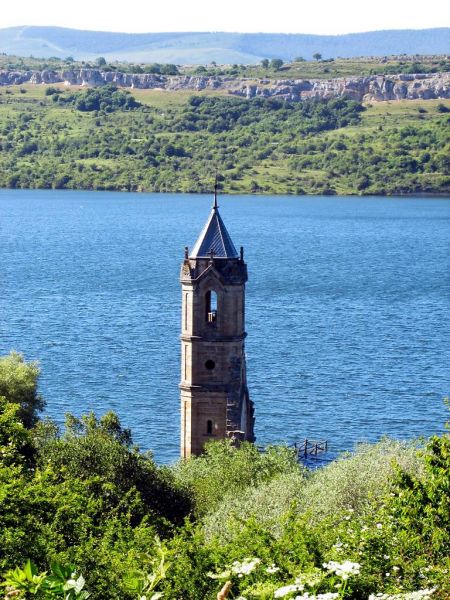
[215, 403]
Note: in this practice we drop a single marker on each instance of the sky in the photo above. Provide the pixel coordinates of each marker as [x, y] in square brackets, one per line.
[275, 16]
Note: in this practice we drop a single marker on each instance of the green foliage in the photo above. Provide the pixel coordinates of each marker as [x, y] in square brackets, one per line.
[266, 504]
[357, 480]
[107, 98]
[260, 145]
[402, 538]
[86, 497]
[61, 583]
[100, 450]
[374, 522]
[420, 504]
[18, 385]
[16, 442]
[224, 470]
[276, 64]
[145, 583]
[24, 580]
[353, 482]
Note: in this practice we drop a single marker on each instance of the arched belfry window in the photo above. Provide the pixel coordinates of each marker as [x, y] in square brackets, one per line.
[211, 306]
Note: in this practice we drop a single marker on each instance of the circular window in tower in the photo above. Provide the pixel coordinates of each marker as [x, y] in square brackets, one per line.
[210, 364]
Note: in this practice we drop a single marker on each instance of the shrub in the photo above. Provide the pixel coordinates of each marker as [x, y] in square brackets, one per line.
[224, 470]
[18, 385]
[356, 479]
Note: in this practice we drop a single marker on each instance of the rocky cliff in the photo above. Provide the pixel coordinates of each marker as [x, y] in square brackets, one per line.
[370, 88]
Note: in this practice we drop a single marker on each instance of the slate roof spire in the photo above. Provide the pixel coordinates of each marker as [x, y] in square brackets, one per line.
[214, 237]
[215, 206]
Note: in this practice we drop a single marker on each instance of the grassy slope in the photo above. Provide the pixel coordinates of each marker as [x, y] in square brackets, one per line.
[371, 157]
[340, 67]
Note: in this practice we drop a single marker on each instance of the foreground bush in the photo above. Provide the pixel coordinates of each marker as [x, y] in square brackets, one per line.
[225, 472]
[233, 522]
[86, 497]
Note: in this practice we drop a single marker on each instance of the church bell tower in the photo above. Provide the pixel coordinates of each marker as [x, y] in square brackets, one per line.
[215, 402]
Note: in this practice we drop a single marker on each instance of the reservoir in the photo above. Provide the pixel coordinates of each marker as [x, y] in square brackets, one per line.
[347, 309]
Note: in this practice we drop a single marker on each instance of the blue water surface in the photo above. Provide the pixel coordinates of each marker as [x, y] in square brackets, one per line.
[347, 309]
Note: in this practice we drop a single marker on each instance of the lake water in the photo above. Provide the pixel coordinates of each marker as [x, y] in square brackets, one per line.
[347, 309]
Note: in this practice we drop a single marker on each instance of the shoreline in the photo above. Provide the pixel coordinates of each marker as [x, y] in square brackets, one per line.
[436, 195]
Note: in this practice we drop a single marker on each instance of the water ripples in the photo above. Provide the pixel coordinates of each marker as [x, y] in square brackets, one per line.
[347, 309]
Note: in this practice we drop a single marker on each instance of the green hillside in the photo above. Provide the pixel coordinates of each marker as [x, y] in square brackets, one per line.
[173, 141]
[296, 69]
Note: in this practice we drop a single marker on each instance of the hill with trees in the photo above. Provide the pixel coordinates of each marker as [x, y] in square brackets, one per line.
[202, 48]
[109, 139]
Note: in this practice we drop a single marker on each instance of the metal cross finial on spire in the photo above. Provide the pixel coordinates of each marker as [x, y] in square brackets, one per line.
[216, 206]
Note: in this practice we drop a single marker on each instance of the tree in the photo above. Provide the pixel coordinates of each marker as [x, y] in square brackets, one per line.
[276, 64]
[265, 63]
[18, 385]
[100, 62]
[169, 69]
[101, 449]
[16, 444]
[299, 59]
[317, 56]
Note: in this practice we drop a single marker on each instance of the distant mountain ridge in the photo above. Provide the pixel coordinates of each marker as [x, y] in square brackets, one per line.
[204, 47]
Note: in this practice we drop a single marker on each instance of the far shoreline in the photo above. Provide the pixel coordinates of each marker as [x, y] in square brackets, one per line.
[432, 195]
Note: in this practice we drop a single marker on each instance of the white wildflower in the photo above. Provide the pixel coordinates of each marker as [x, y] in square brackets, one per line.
[379, 526]
[327, 596]
[245, 567]
[287, 589]
[343, 570]
[272, 569]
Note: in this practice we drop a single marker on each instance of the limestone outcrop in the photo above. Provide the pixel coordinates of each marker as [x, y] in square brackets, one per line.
[370, 88]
